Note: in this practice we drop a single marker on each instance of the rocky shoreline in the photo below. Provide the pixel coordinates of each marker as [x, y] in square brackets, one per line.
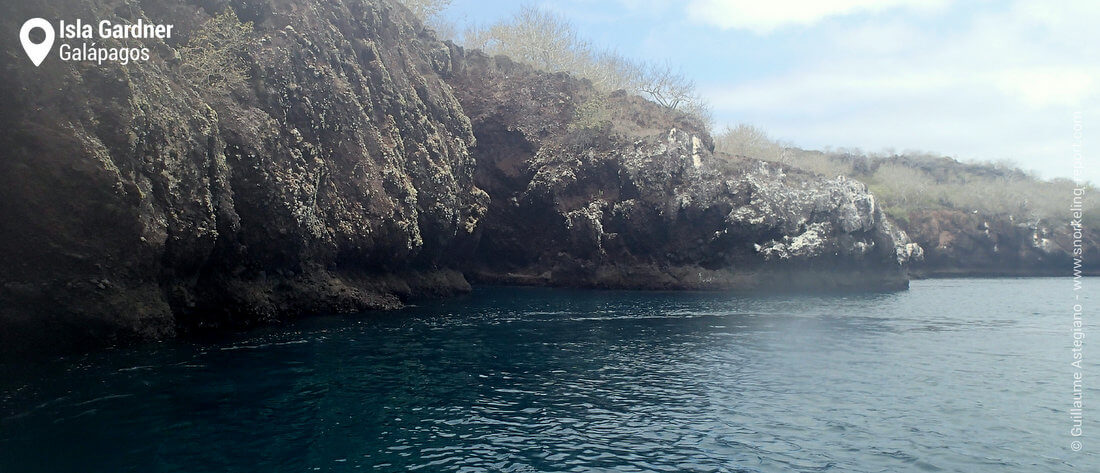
[970, 244]
[365, 163]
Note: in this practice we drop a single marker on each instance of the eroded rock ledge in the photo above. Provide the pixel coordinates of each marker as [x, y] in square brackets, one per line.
[637, 199]
[958, 243]
[364, 163]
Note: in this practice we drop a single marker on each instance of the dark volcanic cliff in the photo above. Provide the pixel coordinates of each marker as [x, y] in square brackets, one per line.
[337, 178]
[970, 218]
[614, 191]
[958, 243]
[343, 175]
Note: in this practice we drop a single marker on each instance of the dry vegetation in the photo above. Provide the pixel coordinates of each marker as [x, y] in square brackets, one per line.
[921, 181]
[212, 58]
[426, 10]
[551, 43]
[903, 183]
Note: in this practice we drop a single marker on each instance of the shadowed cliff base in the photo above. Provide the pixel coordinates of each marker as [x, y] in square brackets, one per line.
[612, 191]
[357, 162]
[741, 281]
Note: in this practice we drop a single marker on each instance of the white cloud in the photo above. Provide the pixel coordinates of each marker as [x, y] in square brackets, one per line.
[997, 83]
[1062, 85]
[766, 16]
[981, 79]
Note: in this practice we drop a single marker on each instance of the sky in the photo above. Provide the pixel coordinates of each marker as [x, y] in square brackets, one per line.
[975, 80]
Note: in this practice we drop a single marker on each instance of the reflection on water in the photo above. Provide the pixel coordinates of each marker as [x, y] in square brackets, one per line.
[953, 375]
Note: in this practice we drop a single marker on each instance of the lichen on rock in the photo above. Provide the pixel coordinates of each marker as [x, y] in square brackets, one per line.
[645, 202]
[362, 163]
[337, 177]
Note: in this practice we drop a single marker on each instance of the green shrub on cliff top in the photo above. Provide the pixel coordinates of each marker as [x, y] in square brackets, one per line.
[593, 114]
[212, 59]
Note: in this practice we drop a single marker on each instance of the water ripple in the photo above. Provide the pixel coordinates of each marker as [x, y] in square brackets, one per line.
[527, 380]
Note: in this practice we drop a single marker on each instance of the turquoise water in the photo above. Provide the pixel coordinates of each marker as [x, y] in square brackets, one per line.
[953, 375]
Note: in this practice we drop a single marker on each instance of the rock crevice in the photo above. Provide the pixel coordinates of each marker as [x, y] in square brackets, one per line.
[362, 163]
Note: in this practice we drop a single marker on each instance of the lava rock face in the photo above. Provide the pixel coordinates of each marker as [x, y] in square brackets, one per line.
[343, 175]
[958, 243]
[613, 191]
[336, 178]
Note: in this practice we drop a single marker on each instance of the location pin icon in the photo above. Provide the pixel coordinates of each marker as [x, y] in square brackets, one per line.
[37, 52]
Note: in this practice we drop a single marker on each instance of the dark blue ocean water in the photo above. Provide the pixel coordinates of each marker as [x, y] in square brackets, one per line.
[952, 375]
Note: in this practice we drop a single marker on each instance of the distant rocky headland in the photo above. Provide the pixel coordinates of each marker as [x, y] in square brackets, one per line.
[355, 162]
